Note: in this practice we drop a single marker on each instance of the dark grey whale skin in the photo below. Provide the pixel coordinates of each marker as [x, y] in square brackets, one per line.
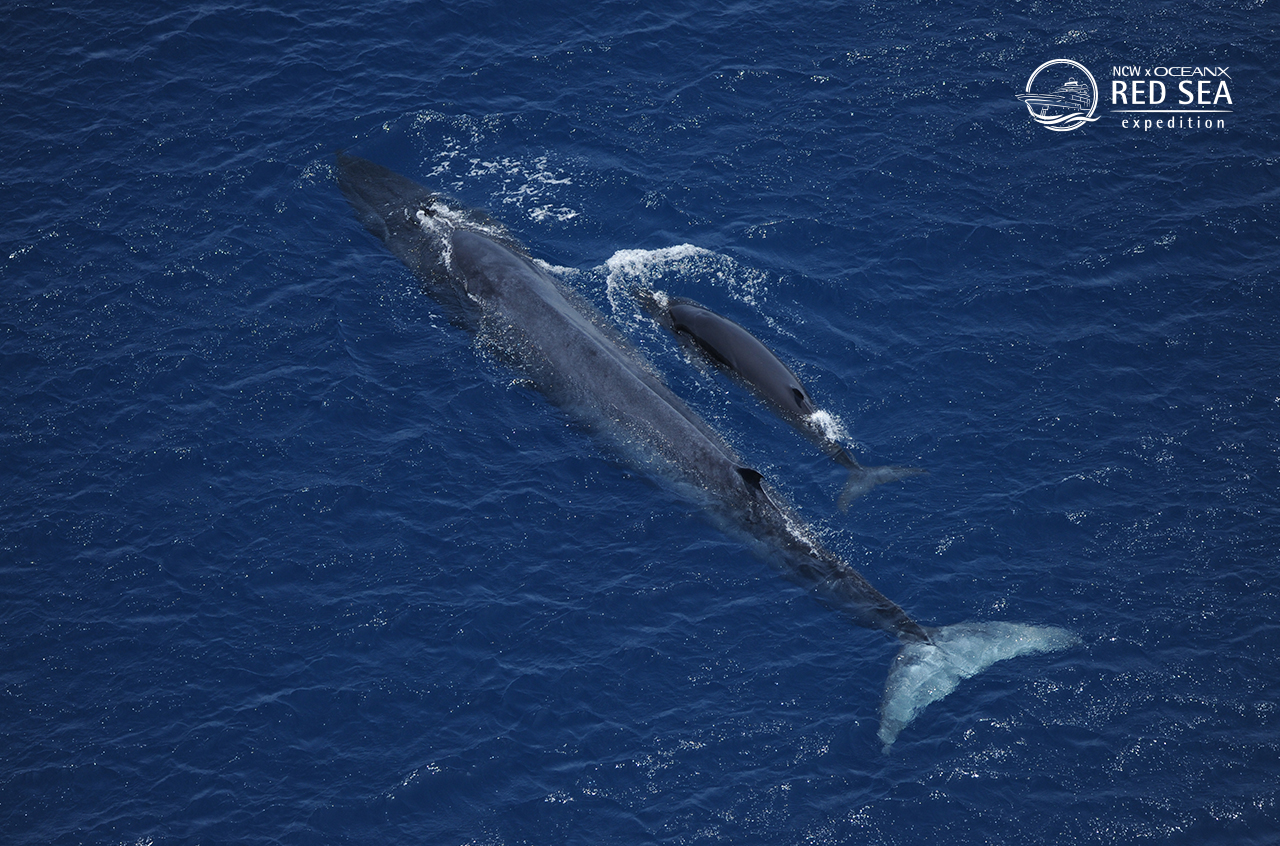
[745, 358]
[564, 347]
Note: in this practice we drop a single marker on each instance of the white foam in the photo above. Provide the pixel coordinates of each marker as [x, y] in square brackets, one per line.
[525, 184]
[829, 425]
[557, 270]
[923, 673]
[463, 159]
[642, 266]
[559, 214]
[627, 270]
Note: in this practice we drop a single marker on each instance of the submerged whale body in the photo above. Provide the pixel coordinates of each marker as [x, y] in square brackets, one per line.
[568, 351]
[744, 357]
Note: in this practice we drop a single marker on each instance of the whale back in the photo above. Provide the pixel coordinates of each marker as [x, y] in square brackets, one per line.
[743, 355]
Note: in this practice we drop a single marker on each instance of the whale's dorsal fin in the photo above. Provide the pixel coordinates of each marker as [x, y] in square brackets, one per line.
[751, 477]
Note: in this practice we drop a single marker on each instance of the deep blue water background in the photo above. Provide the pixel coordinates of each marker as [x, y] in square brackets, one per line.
[285, 558]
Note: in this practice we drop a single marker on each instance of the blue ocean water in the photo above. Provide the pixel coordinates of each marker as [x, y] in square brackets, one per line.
[287, 558]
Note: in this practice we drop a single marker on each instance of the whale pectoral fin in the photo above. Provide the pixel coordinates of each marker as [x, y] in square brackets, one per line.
[751, 477]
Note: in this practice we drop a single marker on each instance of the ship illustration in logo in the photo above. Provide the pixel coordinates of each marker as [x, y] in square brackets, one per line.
[1070, 105]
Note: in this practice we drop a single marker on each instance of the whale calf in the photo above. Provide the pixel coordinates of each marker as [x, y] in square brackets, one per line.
[745, 358]
[566, 349]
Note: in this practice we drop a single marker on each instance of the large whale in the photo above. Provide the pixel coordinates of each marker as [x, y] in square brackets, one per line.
[747, 360]
[567, 350]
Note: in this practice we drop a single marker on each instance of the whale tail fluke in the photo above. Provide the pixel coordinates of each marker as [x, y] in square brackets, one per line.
[862, 479]
[925, 671]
